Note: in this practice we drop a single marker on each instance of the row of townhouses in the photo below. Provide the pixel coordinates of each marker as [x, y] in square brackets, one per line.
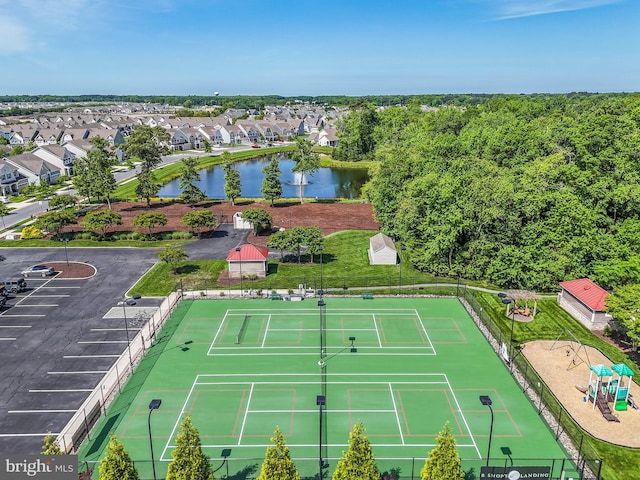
[57, 140]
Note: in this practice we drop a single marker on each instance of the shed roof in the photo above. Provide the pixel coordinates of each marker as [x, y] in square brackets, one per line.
[381, 241]
[248, 253]
[587, 292]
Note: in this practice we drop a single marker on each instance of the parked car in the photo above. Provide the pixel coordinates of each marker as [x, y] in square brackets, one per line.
[14, 284]
[255, 146]
[41, 270]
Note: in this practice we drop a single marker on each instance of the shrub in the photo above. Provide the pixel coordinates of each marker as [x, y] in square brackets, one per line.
[30, 232]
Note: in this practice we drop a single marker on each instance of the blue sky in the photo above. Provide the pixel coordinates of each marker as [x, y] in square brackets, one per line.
[328, 47]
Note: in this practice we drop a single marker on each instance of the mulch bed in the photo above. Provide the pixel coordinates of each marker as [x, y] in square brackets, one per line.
[329, 217]
[73, 270]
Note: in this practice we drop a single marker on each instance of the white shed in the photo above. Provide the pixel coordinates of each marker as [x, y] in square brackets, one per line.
[382, 250]
[240, 223]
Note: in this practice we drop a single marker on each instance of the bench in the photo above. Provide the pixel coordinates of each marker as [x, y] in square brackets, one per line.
[276, 296]
[367, 296]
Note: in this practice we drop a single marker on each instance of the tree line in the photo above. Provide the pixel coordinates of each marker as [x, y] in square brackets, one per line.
[357, 462]
[521, 191]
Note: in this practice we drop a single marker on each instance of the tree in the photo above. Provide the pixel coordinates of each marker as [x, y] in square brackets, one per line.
[307, 162]
[64, 200]
[443, 462]
[55, 221]
[277, 463]
[44, 191]
[93, 174]
[117, 464]
[232, 186]
[188, 178]
[173, 256]
[259, 218]
[207, 146]
[147, 144]
[189, 463]
[101, 220]
[357, 462]
[31, 232]
[272, 185]
[149, 220]
[4, 211]
[50, 446]
[199, 219]
[356, 133]
[624, 306]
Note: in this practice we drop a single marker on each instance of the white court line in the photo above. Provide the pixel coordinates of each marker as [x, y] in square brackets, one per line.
[316, 411]
[317, 329]
[425, 330]
[175, 425]
[215, 337]
[246, 412]
[266, 332]
[375, 322]
[464, 419]
[395, 409]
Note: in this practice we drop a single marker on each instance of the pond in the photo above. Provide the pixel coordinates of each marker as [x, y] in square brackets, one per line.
[325, 182]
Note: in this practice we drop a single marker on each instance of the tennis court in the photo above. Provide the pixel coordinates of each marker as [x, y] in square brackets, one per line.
[403, 367]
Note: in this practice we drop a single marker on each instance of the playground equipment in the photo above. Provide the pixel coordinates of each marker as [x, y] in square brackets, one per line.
[573, 346]
[598, 390]
[621, 397]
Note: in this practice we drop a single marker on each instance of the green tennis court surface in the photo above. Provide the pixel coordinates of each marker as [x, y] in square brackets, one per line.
[241, 368]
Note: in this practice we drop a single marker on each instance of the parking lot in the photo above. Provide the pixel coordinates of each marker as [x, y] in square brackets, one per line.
[59, 337]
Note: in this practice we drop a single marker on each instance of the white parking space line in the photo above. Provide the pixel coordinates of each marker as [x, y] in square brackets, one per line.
[51, 296]
[115, 329]
[16, 326]
[23, 315]
[22, 305]
[7, 339]
[41, 411]
[58, 288]
[61, 390]
[103, 341]
[90, 356]
[101, 372]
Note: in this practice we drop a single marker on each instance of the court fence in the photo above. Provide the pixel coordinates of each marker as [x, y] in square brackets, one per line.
[583, 461]
[390, 468]
[565, 429]
[79, 426]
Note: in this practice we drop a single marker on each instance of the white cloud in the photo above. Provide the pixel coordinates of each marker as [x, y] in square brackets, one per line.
[505, 9]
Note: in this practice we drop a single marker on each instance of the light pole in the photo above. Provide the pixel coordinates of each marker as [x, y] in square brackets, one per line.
[239, 251]
[131, 302]
[321, 400]
[507, 301]
[65, 241]
[486, 400]
[402, 249]
[321, 304]
[320, 248]
[153, 405]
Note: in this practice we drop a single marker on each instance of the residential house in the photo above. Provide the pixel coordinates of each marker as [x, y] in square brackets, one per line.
[58, 156]
[11, 180]
[33, 168]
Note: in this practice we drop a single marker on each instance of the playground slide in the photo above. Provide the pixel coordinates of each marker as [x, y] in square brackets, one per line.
[603, 406]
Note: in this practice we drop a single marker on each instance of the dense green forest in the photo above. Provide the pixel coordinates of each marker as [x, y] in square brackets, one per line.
[522, 191]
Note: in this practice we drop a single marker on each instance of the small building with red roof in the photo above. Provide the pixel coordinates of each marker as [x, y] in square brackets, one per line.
[584, 300]
[248, 260]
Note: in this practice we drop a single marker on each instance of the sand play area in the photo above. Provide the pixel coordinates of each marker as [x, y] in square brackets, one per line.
[563, 370]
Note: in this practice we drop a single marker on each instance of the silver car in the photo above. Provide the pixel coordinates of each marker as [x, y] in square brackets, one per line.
[38, 270]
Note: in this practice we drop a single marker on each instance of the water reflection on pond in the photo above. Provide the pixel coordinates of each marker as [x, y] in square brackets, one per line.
[325, 183]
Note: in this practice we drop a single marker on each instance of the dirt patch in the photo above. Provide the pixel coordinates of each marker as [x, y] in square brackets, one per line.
[73, 270]
[562, 371]
[329, 217]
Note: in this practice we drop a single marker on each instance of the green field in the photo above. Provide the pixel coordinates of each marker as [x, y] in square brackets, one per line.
[240, 368]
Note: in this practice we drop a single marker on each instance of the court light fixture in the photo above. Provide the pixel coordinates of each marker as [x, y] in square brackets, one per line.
[153, 405]
[486, 401]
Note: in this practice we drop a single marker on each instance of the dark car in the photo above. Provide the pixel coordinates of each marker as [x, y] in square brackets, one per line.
[41, 270]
